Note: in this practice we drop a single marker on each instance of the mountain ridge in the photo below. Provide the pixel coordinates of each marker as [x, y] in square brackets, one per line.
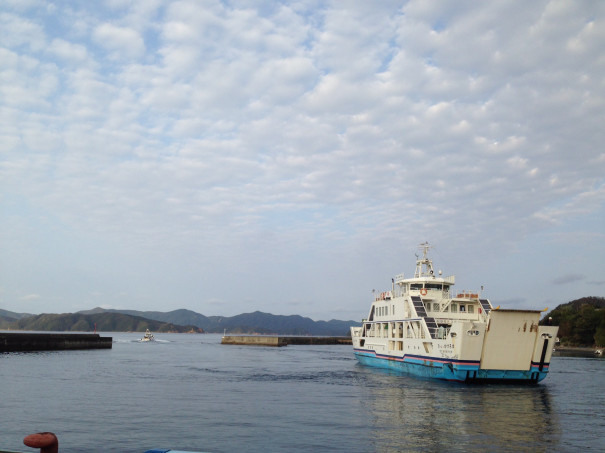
[580, 321]
[79, 322]
[174, 321]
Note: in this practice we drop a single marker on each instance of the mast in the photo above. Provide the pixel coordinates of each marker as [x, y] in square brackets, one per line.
[424, 266]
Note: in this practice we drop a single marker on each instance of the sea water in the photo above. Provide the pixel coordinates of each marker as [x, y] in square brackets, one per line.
[189, 392]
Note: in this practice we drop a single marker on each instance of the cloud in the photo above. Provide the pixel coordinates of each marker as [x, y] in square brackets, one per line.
[294, 144]
[569, 278]
[120, 42]
[65, 50]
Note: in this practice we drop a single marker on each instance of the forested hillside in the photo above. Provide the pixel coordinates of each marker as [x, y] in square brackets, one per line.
[581, 322]
[105, 322]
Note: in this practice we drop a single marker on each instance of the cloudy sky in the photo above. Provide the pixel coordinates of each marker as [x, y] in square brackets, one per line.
[289, 157]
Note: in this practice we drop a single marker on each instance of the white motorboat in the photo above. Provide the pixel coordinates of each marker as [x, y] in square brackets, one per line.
[148, 336]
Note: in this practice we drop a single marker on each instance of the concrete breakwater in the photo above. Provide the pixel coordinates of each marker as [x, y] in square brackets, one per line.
[20, 342]
[279, 340]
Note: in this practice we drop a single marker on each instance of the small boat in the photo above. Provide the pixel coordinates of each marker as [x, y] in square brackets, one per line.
[423, 328]
[148, 336]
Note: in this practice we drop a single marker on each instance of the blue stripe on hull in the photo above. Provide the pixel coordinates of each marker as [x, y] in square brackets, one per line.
[450, 370]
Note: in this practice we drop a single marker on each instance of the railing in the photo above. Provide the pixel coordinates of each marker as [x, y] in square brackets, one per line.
[418, 331]
[398, 292]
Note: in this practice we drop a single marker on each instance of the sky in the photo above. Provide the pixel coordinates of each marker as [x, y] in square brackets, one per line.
[289, 157]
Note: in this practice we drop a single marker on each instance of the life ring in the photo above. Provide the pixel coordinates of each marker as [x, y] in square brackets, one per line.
[423, 291]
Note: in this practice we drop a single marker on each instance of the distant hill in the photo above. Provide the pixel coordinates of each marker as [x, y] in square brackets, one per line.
[180, 317]
[581, 322]
[106, 322]
[5, 314]
[279, 324]
[9, 317]
[256, 322]
[182, 320]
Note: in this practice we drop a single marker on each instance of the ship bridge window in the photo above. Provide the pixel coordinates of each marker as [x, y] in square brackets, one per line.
[416, 286]
[470, 309]
[433, 286]
[454, 308]
[462, 308]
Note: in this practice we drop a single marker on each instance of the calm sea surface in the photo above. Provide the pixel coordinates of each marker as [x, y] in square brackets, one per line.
[189, 392]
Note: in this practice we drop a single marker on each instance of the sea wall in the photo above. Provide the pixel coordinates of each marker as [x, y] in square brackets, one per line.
[20, 342]
[253, 340]
[277, 340]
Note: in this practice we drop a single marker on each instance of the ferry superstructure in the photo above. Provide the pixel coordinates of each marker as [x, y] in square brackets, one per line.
[420, 326]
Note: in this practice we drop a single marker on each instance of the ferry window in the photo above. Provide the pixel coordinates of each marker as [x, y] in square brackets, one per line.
[470, 309]
[454, 308]
[462, 308]
[416, 286]
[435, 307]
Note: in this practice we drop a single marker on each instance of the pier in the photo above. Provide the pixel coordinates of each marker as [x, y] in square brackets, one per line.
[22, 342]
[279, 340]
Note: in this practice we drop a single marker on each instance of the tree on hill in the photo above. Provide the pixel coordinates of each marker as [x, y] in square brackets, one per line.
[581, 322]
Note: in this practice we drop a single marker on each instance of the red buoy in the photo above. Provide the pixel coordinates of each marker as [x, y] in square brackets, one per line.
[46, 442]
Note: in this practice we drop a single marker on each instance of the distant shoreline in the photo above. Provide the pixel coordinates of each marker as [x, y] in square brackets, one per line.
[578, 351]
[577, 348]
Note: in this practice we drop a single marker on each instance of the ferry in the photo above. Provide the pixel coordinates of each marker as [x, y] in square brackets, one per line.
[423, 328]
